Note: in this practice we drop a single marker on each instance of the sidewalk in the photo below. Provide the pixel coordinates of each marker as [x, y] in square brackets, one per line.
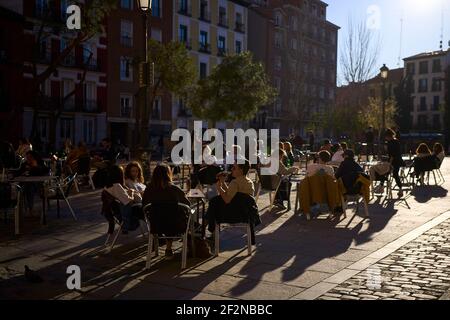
[293, 259]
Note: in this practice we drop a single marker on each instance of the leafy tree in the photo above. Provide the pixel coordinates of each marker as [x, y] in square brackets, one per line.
[234, 91]
[174, 72]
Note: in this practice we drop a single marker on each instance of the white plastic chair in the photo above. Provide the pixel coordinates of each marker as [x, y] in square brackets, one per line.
[239, 225]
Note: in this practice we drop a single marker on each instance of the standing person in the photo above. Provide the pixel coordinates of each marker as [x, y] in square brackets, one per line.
[311, 141]
[395, 157]
[370, 137]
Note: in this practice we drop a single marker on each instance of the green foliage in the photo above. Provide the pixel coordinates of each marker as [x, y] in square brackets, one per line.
[234, 91]
[403, 95]
[175, 70]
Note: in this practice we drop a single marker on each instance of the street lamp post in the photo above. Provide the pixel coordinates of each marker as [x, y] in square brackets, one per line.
[384, 73]
[145, 6]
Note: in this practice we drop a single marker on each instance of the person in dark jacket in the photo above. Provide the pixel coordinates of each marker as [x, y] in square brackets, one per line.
[162, 190]
[395, 157]
[348, 171]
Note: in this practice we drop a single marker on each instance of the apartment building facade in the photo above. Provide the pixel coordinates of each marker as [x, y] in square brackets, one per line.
[300, 56]
[126, 40]
[428, 73]
[211, 29]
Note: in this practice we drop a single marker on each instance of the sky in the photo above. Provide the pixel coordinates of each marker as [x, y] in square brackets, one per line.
[422, 20]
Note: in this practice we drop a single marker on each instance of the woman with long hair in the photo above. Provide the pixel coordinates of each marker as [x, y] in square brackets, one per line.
[438, 151]
[161, 190]
[423, 151]
[134, 178]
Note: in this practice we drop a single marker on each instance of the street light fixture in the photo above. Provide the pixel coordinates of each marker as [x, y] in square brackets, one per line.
[384, 74]
[145, 6]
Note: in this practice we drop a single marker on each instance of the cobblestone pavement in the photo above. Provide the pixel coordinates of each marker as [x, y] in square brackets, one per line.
[418, 271]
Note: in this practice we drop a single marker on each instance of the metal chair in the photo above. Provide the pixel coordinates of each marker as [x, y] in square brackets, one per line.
[60, 190]
[153, 238]
[239, 225]
[268, 183]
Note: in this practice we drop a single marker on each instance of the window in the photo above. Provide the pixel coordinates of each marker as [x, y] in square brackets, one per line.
[203, 70]
[422, 121]
[277, 82]
[126, 33]
[204, 46]
[223, 17]
[43, 128]
[88, 131]
[126, 4]
[221, 45]
[126, 69]
[437, 65]
[68, 87]
[156, 8]
[277, 40]
[423, 85]
[156, 110]
[204, 13]
[126, 104]
[411, 68]
[437, 122]
[294, 44]
[278, 19]
[423, 67]
[182, 33]
[423, 103]
[239, 22]
[64, 5]
[436, 85]
[294, 23]
[436, 103]
[66, 129]
[238, 47]
[277, 63]
[90, 96]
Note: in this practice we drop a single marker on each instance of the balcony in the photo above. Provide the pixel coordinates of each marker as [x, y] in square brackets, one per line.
[222, 52]
[126, 41]
[223, 22]
[205, 15]
[185, 10]
[204, 47]
[240, 27]
[89, 105]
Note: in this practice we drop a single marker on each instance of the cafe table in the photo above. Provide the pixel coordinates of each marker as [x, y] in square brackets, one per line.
[19, 212]
[200, 198]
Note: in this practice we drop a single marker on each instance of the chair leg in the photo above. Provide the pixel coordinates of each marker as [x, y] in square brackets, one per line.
[270, 200]
[58, 209]
[249, 240]
[149, 251]
[366, 208]
[91, 183]
[70, 209]
[142, 229]
[77, 188]
[116, 237]
[434, 176]
[184, 251]
[191, 230]
[107, 239]
[156, 238]
[216, 241]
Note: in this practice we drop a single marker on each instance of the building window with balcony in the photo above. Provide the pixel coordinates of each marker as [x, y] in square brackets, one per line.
[278, 40]
[69, 60]
[436, 103]
[184, 8]
[411, 68]
[238, 47]
[88, 131]
[183, 35]
[278, 63]
[65, 129]
[126, 69]
[126, 4]
[90, 97]
[204, 46]
[423, 67]
[204, 12]
[126, 105]
[436, 85]
[278, 19]
[221, 46]
[239, 23]
[156, 8]
[437, 122]
[423, 103]
[223, 17]
[156, 110]
[67, 94]
[126, 33]
[203, 70]
[423, 85]
[437, 66]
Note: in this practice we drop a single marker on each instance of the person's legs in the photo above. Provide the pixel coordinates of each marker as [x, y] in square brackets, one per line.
[126, 213]
[397, 179]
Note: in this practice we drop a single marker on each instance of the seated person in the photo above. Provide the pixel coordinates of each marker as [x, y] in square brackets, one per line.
[129, 199]
[33, 166]
[240, 184]
[289, 154]
[74, 155]
[349, 171]
[24, 147]
[326, 146]
[338, 155]
[423, 151]
[134, 179]
[162, 190]
[285, 186]
[324, 159]
[438, 151]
